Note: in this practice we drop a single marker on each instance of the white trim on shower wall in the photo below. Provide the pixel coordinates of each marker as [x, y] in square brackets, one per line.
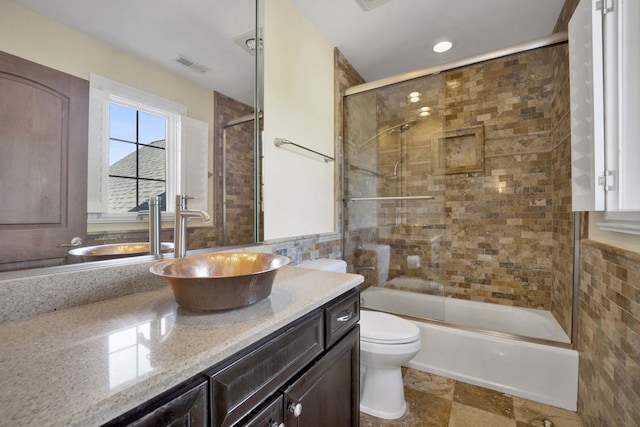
[522, 47]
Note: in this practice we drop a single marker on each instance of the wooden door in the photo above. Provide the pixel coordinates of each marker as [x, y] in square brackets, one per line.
[43, 163]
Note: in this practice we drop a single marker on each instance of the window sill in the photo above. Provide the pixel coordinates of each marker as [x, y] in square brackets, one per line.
[620, 226]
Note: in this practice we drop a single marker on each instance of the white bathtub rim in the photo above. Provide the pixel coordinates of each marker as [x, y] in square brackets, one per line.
[473, 329]
[559, 338]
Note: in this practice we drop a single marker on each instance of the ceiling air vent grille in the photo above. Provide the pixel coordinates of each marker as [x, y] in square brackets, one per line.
[368, 5]
[192, 65]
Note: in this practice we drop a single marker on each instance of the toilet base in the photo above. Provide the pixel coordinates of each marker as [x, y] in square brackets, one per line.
[382, 393]
[384, 415]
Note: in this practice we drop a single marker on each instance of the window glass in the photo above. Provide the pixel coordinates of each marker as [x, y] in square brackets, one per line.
[137, 158]
[152, 128]
[122, 122]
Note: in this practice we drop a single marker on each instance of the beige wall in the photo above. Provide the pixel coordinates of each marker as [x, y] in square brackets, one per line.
[38, 39]
[630, 242]
[299, 195]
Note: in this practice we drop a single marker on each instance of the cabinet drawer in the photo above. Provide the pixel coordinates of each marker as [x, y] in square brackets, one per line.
[243, 385]
[271, 414]
[341, 315]
[188, 406]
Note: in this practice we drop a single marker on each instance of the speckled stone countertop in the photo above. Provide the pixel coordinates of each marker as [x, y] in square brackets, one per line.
[86, 365]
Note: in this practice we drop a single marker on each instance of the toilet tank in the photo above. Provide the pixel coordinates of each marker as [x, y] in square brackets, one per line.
[326, 264]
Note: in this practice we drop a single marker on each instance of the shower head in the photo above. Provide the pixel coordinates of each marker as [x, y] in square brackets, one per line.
[393, 129]
[407, 125]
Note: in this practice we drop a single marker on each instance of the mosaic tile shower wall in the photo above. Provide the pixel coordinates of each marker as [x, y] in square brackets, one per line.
[499, 221]
[488, 235]
[609, 336]
[563, 223]
[239, 167]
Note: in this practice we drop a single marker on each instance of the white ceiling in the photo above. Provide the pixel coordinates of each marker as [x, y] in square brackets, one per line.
[394, 38]
[397, 37]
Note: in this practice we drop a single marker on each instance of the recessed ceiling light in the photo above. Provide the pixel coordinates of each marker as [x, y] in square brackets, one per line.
[442, 46]
[425, 109]
[247, 41]
[424, 113]
[414, 97]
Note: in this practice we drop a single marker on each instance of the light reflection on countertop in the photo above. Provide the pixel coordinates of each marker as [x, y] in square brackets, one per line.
[86, 365]
[130, 349]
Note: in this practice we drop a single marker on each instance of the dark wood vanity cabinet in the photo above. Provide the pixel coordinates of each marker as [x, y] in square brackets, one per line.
[306, 374]
[311, 369]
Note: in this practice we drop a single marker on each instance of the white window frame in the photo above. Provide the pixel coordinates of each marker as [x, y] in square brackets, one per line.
[186, 144]
[621, 63]
[603, 38]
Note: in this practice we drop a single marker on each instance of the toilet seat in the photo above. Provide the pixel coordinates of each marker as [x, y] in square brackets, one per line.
[383, 328]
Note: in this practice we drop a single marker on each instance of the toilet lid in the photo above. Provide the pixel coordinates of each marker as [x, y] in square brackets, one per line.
[377, 327]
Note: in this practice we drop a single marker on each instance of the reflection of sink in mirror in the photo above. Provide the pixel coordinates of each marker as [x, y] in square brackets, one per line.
[117, 250]
[220, 281]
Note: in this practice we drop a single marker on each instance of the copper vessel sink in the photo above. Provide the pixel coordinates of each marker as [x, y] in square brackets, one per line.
[220, 281]
[117, 250]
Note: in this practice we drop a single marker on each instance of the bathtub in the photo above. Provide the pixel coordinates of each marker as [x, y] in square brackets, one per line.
[543, 373]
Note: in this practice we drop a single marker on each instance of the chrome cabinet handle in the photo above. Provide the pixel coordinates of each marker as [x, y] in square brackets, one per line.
[344, 316]
[75, 242]
[295, 409]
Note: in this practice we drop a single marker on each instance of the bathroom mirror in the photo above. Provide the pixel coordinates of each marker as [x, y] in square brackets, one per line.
[148, 44]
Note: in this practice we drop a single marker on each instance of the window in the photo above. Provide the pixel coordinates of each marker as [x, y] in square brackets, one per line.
[137, 158]
[141, 145]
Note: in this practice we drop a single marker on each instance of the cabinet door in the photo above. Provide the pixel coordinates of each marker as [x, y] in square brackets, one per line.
[328, 393]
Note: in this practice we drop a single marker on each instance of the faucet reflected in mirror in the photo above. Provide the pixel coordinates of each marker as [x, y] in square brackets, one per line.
[180, 226]
[155, 220]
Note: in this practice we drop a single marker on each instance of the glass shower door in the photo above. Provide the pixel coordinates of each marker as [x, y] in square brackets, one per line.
[394, 202]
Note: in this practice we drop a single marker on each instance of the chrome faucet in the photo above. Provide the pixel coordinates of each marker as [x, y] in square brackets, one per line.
[180, 225]
[154, 224]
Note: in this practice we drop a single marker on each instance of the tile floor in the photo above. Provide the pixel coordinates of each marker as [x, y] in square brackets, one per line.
[435, 401]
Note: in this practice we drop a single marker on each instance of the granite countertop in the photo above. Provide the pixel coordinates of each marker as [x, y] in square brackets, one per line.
[86, 365]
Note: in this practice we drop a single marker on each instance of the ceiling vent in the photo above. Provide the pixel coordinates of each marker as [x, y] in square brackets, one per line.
[368, 5]
[192, 65]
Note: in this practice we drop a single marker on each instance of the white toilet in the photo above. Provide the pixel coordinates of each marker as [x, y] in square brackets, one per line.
[386, 342]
